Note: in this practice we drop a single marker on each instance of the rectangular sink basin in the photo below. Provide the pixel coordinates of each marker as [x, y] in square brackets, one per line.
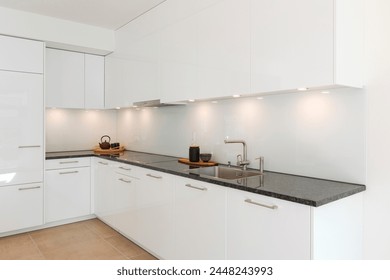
[223, 172]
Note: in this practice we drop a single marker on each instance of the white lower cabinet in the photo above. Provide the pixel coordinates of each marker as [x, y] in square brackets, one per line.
[154, 212]
[103, 173]
[124, 218]
[199, 220]
[262, 227]
[68, 191]
[21, 206]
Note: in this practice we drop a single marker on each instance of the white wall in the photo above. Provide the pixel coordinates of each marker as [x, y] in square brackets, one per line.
[377, 196]
[73, 130]
[312, 134]
[57, 33]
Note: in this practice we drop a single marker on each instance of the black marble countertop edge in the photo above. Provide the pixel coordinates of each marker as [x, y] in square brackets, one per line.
[357, 188]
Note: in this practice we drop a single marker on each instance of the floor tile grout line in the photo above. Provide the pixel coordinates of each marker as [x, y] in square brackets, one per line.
[36, 246]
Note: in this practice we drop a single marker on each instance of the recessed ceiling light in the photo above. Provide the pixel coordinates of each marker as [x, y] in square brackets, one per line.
[302, 89]
[236, 95]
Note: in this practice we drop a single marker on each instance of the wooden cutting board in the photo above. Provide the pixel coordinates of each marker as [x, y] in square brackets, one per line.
[110, 151]
[197, 163]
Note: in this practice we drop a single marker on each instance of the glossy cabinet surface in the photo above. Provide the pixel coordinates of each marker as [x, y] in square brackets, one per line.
[154, 212]
[67, 192]
[94, 81]
[103, 172]
[21, 206]
[21, 107]
[260, 227]
[199, 220]
[305, 44]
[21, 55]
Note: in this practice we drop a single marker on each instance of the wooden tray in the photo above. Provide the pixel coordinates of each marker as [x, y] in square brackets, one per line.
[197, 163]
[110, 151]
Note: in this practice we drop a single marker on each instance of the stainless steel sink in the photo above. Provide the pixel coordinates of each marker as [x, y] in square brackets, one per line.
[223, 172]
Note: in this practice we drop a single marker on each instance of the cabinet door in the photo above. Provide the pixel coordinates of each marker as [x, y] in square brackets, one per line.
[103, 192]
[125, 204]
[67, 193]
[21, 121]
[255, 231]
[94, 81]
[64, 79]
[199, 220]
[224, 49]
[21, 206]
[292, 44]
[154, 212]
[21, 55]
[179, 57]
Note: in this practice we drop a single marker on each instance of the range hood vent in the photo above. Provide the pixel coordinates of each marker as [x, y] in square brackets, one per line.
[156, 103]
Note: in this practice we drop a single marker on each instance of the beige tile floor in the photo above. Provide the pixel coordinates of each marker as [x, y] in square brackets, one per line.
[86, 240]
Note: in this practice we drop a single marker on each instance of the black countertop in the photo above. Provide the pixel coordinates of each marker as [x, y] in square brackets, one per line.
[299, 189]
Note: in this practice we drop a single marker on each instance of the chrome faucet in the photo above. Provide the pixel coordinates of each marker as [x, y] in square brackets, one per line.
[242, 160]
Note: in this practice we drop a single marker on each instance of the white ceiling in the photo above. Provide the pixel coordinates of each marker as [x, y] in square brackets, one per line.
[110, 14]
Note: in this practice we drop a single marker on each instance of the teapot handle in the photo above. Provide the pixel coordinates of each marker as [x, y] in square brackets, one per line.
[109, 139]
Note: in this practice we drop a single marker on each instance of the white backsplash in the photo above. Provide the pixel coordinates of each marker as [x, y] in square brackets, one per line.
[312, 134]
[72, 130]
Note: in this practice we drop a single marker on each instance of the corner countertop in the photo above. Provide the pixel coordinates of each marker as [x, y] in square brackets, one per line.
[304, 190]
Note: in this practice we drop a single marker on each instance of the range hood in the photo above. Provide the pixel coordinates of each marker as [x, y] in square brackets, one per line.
[156, 103]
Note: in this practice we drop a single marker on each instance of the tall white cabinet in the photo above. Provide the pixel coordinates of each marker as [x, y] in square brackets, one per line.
[21, 121]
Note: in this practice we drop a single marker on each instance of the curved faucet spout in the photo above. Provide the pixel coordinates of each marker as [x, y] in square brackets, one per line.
[244, 162]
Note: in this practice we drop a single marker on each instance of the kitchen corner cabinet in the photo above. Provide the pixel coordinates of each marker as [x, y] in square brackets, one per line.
[74, 80]
[199, 220]
[21, 207]
[304, 43]
[67, 189]
[261, 227]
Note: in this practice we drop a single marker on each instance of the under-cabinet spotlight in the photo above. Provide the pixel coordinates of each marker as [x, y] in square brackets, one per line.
[117, 108]
[260, 98]
[191, 100]
[236, 95]
[302, 89]
[325, 91]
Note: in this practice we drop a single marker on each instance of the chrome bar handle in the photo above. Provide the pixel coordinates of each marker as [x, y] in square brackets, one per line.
[29, 188]
[67, 162]
[29, 146]
[125, 168]
[68, 172]
[104, 163]
[124, 180]
[274, 207]
[154, 176]
[195, 187]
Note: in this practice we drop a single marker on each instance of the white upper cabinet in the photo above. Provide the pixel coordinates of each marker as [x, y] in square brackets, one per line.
[64, 79]
[94, 81]
[305, 43]
[223, 49]
[21, 55]
[74, 80]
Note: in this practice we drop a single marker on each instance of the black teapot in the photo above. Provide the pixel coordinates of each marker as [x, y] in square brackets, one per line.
[105, 145]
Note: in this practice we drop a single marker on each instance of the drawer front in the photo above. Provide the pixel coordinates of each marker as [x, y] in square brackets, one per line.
[67, 163]
[128, 170]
